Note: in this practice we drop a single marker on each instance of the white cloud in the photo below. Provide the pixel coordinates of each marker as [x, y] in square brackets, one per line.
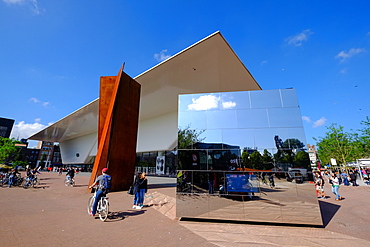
[205, 102]
[228, 105]
[32, 3]
[161, 56]
[263, 62]
[343, 71]
[319, 122]
[343, 55]
[36, 101]
[306, 119]
[298, 39]
[25, 130]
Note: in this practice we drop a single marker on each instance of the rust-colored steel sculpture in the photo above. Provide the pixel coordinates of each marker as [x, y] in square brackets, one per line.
[117, 129]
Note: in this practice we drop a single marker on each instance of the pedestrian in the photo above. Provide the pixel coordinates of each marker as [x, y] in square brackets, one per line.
[334, 181]
[320, 186]
[345, 178]
[352, 176]
[211, 180]
[140, 188]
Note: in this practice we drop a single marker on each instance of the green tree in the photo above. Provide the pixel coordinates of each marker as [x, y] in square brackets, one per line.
[267, 160]
[246, 159]
[293, 144]
[256, 160]
[188, 137]
[364, 139]
[337, 144]
[9, 152]
[301, 159]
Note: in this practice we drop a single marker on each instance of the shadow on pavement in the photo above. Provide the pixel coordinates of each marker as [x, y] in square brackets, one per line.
[328, 210]
[117, 216]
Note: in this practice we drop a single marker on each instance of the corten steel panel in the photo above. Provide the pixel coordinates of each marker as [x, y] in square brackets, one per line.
[117, 143]
[122, 152]
[106, 92]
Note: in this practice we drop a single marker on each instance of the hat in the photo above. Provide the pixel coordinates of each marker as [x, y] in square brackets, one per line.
[104, 170]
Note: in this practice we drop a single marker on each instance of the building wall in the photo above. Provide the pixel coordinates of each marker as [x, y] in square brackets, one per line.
[79, 150]
[6, 126]
[158, 133]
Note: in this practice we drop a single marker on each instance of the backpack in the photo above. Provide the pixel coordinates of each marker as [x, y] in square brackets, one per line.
[106, 183]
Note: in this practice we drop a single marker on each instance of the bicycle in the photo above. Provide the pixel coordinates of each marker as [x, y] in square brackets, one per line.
[69, 182]
[103, 206]
[30, 182]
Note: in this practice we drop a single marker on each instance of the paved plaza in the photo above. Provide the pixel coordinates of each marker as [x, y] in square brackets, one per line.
[56, 215]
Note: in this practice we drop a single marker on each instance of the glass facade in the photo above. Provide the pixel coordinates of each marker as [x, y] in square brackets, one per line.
[233, 152]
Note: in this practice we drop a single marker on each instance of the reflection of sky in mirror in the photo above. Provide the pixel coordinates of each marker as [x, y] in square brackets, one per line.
[245, 119]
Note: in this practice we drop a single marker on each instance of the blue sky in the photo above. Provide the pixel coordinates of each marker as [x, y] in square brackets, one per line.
[54, 52]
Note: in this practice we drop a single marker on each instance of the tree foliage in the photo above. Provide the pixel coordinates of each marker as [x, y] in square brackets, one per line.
[9, 153]
[344, 146]
[293, 144]
[301, 159]
[188, 137]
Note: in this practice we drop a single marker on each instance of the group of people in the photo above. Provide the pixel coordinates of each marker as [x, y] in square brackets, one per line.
[139, 187]
[335, 179]
[15, 175]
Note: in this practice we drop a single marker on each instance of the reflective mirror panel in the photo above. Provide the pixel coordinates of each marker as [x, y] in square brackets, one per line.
[234, 155]
[274, 197]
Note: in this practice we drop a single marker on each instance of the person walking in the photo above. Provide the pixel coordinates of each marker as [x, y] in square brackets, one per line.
[334, 181]
[345, 178]
[352, 176]
[320, 186]
[140, 188]
[104, 183]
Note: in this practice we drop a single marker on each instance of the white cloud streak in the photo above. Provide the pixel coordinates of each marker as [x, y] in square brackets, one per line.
[208, 102]
[298, 39]
[34, 6]
[228, 105]
[319, 122]
[306, 119]
[36, 101]
[161, 56]
[343, 55]
[205, 102]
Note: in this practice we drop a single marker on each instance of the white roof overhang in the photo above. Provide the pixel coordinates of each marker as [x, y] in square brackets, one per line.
[209, 65]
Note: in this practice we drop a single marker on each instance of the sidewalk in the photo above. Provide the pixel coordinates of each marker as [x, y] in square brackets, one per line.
[56, 215]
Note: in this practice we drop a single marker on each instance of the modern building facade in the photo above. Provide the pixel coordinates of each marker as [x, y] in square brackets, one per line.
[209, 65]
[6, 126]
[207, 89]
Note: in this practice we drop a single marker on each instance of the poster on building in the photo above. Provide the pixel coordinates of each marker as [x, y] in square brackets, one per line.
[160, 165]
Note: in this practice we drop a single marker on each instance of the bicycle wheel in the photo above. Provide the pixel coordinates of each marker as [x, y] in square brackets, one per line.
[90, 204]
[103, 209]
[25, 184]
[35, 182]
[66, 183]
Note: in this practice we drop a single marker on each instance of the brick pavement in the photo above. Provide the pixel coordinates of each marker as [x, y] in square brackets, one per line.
[55, 215]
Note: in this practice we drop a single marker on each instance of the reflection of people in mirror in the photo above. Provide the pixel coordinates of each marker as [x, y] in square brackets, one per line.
[211, 179]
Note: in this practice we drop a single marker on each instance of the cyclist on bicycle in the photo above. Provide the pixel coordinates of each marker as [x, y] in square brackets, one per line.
[104, 182]
[12, 176]
[70, 174]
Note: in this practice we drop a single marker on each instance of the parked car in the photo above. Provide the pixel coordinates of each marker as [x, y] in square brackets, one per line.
[295, 176]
